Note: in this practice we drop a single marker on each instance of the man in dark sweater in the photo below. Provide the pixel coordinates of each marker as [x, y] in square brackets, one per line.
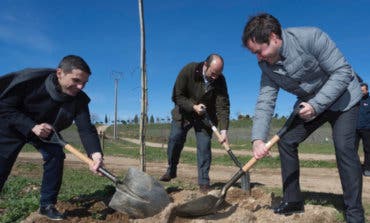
[363, 128]
[199, 87]
[32, 103]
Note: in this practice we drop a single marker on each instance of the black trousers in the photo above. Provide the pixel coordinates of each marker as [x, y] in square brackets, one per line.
[344, 133]
[53, 157]
[364, 135]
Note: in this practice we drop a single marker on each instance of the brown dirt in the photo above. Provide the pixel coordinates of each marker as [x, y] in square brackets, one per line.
[320, 183]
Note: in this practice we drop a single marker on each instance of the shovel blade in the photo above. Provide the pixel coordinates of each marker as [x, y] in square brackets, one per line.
[139, 195]
[201, 206]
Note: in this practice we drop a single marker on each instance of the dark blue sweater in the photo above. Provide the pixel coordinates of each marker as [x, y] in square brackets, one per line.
[364, 113]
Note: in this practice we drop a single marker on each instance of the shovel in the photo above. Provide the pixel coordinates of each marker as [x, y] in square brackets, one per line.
[139, 195]
[210, 203]
[245, 178]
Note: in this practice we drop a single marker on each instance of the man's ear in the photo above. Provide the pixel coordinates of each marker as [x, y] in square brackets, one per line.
[273, 36]
[59, 72]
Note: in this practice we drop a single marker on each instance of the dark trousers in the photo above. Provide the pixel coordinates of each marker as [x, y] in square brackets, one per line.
[364, 135]
[53, 157]
[344, 129]
[176, 142]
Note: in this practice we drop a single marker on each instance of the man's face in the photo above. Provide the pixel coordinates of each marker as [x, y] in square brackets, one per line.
[266, 52]
[214, 70]
[73, 82]
[364, 90]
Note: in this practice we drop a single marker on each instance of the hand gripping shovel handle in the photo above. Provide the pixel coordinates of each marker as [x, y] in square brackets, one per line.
[276, 137]
[55, 138]
[268, 145]
[224, 144]
[89, 161]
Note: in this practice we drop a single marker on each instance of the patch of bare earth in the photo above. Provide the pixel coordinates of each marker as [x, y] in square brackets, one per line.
[238, 207]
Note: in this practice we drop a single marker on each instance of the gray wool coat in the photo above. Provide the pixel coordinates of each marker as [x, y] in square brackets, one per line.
[313, 69]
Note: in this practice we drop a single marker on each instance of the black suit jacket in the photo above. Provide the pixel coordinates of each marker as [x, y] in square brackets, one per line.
[25, 102]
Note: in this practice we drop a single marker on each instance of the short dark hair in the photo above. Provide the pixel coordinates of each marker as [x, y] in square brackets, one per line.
[364, 84]
[259, 28]
[213, 56]
[70, 62]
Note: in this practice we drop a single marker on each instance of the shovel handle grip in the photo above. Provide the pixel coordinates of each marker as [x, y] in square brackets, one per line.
[268, 145]
[218, 135]
[226, 147]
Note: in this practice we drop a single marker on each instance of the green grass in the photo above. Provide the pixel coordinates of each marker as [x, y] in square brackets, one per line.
[21, 193]
[239, 135]
[18, 198]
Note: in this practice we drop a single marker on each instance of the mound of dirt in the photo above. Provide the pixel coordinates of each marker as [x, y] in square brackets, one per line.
[239, 206]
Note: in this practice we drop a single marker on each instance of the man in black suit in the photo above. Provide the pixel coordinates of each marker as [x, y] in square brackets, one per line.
[32, 103]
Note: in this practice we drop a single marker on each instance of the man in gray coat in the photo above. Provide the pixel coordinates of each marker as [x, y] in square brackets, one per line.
[305, 62]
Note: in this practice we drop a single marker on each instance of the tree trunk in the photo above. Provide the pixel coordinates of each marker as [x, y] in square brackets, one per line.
[144, 90]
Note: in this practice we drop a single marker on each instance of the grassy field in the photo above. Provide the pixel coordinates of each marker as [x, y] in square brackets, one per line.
[319, 142]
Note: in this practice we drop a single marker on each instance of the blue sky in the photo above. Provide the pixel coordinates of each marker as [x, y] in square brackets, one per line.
[106, 34]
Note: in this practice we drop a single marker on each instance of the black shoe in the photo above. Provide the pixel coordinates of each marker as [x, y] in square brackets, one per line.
[288, 208]
[51, 212]
[167, 177]
[204, 188]
[366, 172]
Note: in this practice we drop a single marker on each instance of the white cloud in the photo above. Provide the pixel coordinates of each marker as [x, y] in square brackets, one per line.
[14, 31]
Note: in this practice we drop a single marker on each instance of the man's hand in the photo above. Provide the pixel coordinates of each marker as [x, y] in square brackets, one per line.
[200, 109]
[224, 138]
[42, 130]
[306, 112]
[259, 149]
[97, 162]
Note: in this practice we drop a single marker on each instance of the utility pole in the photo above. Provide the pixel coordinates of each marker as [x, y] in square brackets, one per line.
[116, 75]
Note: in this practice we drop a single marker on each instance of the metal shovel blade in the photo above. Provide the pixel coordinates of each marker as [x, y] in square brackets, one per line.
[201, 206]
[208, 204]
[139, 195]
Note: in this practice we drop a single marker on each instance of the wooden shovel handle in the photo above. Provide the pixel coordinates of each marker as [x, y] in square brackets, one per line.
[90, 162]
[268, 145]
[218, 134]
[79, 155]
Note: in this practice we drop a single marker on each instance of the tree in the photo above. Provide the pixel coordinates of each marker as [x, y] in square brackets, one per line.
[136, 119]
[144, 88]
[106, 119]
[151, 119]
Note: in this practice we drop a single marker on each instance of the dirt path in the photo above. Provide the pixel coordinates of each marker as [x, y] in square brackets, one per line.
[320, 180]
[102, 128]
